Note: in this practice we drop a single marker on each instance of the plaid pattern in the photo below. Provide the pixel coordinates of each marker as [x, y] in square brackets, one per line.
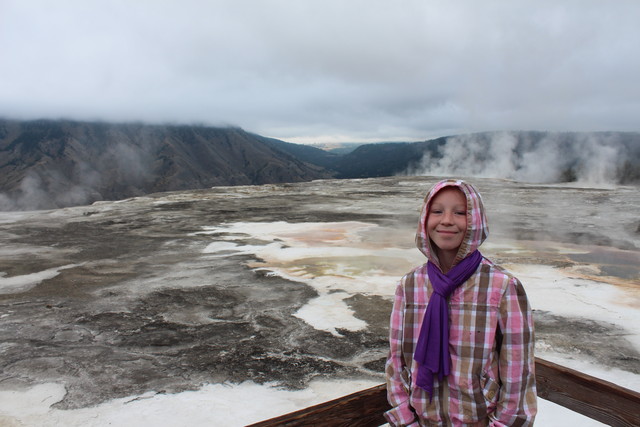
[487, 385]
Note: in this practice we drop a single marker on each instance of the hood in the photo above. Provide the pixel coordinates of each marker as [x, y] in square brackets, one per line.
[477, 227]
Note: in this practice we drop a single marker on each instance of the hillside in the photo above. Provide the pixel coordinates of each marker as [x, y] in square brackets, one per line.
[527, 156]
[49, 164]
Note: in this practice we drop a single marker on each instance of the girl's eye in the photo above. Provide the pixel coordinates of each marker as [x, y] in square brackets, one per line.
[463, 213]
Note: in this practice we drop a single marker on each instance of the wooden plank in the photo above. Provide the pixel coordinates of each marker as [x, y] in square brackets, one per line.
[361, 409]
[595, 398]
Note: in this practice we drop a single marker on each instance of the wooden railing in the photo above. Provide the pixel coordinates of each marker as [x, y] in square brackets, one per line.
[597, 399]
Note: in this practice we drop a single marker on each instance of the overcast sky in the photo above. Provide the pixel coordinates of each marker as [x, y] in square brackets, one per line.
[326, 70]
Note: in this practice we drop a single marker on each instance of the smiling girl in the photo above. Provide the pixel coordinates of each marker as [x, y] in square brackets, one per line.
[461, 335]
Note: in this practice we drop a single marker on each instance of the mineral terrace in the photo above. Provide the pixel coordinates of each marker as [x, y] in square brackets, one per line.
[282, 283]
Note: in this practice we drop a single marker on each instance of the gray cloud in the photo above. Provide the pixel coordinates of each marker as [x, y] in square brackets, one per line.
[302, 71]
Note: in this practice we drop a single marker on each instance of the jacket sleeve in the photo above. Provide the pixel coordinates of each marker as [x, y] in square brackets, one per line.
[517, 405]
[398, 380]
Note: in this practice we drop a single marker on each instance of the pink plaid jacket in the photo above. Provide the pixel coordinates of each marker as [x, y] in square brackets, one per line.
[489, 384]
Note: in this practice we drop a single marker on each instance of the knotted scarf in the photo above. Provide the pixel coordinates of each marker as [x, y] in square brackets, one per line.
[432, 350]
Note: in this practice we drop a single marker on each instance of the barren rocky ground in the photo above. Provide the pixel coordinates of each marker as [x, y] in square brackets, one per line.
[118, 298]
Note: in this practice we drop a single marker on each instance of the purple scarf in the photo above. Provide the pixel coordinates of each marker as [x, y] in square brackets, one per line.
[432, 350]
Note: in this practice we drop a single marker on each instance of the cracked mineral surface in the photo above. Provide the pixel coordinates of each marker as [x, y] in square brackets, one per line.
[286, 284]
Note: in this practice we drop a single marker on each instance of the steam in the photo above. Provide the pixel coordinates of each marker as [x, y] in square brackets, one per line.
[589, 159]
[78, 182]
[47, 189]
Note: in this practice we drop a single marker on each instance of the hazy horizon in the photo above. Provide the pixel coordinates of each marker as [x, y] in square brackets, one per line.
[330, 141]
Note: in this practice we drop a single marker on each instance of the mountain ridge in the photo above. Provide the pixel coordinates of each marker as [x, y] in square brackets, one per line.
[48, 164]
[529, 156]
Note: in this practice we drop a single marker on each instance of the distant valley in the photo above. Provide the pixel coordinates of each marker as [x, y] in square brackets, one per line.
[48, 164]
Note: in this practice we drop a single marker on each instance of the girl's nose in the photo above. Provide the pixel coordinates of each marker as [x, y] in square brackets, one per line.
[447, 218]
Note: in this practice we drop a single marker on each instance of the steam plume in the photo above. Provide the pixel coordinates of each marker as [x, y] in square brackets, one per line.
[590, 159]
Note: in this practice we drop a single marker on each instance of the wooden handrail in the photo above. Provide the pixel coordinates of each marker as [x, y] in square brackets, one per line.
[361, 409]
[590, 396]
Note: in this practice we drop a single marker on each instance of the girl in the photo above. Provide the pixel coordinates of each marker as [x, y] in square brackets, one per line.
[461, 335]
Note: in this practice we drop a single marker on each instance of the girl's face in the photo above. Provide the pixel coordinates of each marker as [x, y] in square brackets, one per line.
[447, 221]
